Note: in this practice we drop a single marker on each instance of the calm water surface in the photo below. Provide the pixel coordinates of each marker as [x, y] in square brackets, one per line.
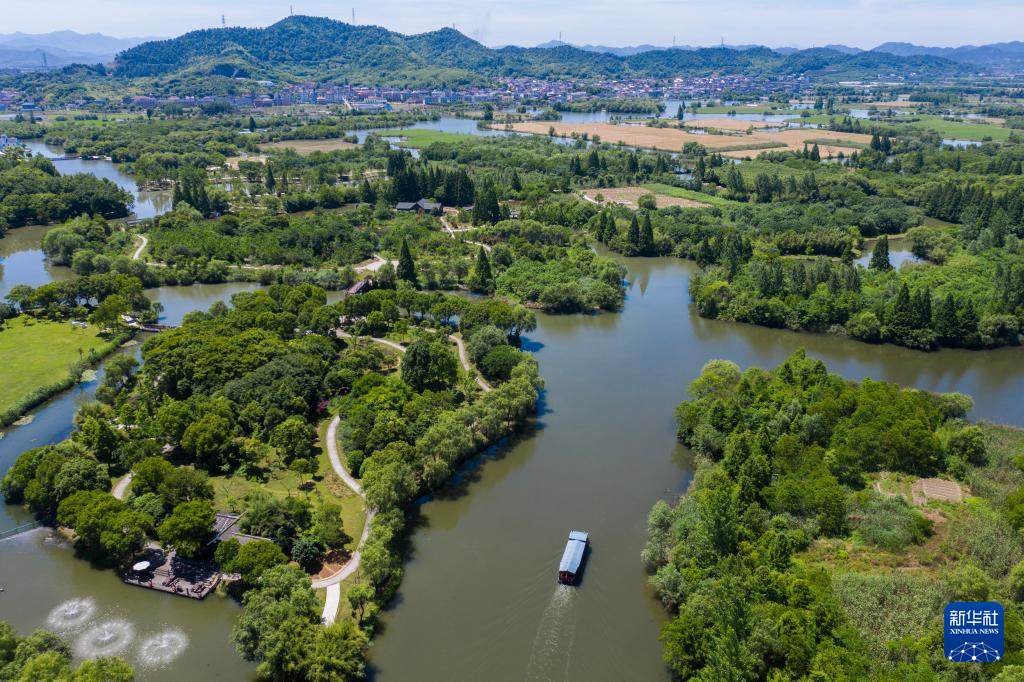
[147, 204]
[479, 600]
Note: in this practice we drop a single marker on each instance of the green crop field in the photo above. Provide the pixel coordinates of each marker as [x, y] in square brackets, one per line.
[418, 138]
[741, 109]
[669, 190]
[38, 353]
[949, 130]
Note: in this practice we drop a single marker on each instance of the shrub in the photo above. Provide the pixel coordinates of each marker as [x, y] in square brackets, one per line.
[865, 326]
[887, 522]
[888, 607]
[980, 535]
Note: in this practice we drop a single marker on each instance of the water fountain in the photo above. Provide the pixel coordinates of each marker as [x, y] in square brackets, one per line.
[162, 648]
[109, 638]
[72, 614]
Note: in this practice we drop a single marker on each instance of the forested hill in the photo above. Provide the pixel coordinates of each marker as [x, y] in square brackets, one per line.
[326, 50]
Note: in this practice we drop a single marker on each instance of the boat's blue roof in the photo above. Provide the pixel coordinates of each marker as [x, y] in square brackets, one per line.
[573, 554]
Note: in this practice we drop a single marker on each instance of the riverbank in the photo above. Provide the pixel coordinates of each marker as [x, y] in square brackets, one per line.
[46, 358]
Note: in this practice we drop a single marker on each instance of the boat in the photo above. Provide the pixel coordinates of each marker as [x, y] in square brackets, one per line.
[572, 557]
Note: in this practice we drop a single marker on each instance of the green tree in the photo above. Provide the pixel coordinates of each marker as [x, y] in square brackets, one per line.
[646, 241]
[360, 595]
[254, 558]
[109, 312]
[188, 527]
[428, 365]
[406, 270]
[633, 235]
[209, 440]
[293, 438]
[481, 280]
[338, 653]
[880, 255]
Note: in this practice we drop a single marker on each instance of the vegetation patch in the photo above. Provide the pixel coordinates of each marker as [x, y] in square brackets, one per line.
[39, 354]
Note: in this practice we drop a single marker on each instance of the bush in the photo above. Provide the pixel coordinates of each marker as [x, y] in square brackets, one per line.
[980, 535]
[966, 582]
[968, 444]
[887, 522]
[888, 607]
[865, 326]
[648, 202]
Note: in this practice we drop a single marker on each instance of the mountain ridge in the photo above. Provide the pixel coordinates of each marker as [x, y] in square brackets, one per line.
[314, 48]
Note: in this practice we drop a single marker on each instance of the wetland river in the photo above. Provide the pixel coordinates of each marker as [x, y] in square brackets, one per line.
[480, 600]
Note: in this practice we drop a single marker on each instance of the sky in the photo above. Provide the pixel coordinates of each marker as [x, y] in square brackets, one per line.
[797, 23]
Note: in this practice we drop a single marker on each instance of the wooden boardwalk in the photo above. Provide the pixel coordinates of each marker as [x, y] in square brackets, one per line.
[175, 575]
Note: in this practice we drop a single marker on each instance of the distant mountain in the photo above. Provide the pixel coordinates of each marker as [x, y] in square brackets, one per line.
[630, 50]
[60, 48]
[310, 48]
[998, 55]
[605, 49]
[845, 49]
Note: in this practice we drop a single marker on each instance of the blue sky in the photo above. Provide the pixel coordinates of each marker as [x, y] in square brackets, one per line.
[801, 23]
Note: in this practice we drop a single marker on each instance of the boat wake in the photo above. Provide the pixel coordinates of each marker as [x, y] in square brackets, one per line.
[552, 646]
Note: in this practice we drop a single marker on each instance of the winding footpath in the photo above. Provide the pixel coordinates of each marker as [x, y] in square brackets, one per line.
[453, 232]
[466, 366]
[121, 488]
[333, 583]
[142, 247]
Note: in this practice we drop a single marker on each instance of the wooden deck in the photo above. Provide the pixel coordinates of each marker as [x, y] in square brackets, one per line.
[175, 575]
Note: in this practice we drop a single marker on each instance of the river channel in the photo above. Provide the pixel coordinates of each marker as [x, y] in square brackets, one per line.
[479, 600]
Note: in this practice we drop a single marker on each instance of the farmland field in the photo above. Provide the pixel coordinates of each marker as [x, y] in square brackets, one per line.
[673, 139]
[309, 146]
[419, 138]
[726, 123]
[628, 196]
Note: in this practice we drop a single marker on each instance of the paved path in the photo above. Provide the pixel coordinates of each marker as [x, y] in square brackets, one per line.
[142, 247]
[374, 264]
[333, 583]
[466, 366]
[121, 488]
[400, 348]
[453, 232]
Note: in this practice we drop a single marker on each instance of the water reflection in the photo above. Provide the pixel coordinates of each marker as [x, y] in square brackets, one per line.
[22, 260]
[147, 204]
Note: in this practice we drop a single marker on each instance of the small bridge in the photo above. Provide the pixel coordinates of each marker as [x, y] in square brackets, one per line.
[154, 327]
[18, 530]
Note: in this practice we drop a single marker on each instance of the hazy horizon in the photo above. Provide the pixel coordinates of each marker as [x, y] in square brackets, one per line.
[787, 23]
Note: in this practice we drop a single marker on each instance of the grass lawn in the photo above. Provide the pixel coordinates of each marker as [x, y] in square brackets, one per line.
[670, 191]
[743, 109]
[38, 353]
[950, 130]
[419, 138]
[960, 130]
[229, 491]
